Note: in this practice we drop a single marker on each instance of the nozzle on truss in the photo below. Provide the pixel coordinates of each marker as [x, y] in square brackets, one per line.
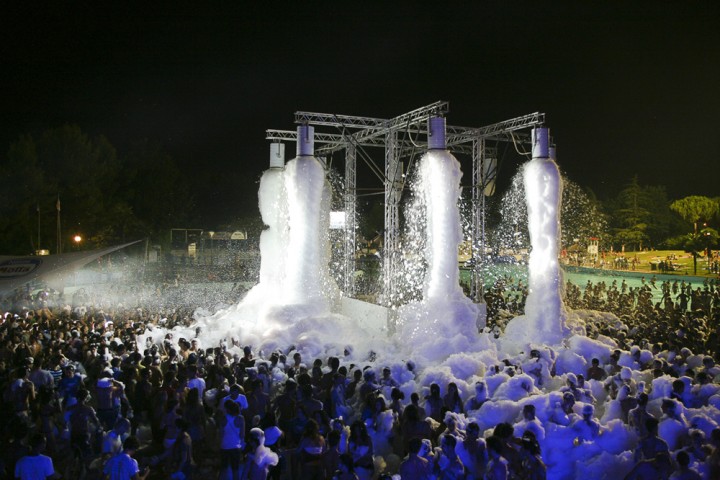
[277, 155]
[541, 142]
[436, 133]
[305, 141]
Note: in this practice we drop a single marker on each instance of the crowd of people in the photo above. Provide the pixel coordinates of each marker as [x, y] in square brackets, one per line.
[88, 396]
[675, 313]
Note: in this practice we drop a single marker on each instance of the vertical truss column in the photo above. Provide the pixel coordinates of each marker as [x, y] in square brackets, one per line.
[350, 219]
[484, 172]
[477, 285]
[393, 190]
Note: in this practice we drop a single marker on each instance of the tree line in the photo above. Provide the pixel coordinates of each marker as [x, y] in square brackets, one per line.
[638, 217]
[104, 197]
[109, 198]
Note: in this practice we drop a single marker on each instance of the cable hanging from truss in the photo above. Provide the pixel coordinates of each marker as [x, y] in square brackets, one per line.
[526, 154]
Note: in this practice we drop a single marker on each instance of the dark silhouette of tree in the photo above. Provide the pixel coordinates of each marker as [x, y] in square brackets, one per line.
[105, 198]
[24, 201]
[694, 210]
[158, 194]
[631, 216]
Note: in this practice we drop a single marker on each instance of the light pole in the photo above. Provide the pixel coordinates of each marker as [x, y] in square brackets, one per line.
[37, 207]
[212, 251]
[708, 250]
[77, 239]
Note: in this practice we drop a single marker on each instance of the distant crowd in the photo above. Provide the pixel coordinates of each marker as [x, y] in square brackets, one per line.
[86, 397]
[687, 315]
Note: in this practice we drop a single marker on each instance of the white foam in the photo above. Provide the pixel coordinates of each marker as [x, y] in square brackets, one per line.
[545, 316]
[445, 320]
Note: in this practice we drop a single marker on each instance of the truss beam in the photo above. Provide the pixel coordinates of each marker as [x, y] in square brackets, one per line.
[359, 132]
[335, 120]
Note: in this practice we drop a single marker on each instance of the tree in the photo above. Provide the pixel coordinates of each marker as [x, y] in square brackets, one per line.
[662, 221]
[581, 216]
[25, 200]
[631, 215]
[695, 208]
[696, 243]
[155, 189]
[87, 177]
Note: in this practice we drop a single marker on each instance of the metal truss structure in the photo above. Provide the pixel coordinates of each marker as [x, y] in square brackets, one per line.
[401, 137]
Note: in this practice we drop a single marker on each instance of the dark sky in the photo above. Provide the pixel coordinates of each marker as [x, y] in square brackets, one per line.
[628, 87]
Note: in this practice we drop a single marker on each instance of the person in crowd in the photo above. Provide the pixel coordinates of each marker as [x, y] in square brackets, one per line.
[415, 401]
[684, 471]
[196, 417]
[452, 400]
[195, 381]
[113, 440]
[346, 469]
[69, 384]
[532, 465]
[360, 447]
[434, 403]
[310, 451]
[472, 451]
[181, 455]
[595, 372]
[35, 465]
[415, 466]
[39, 376]
[387, 379]
[285, 408]
[480, 397]
[396, 404]
[638, 416]
[259, 458]
[652, 455]
[448, 465]
[22, 393]
[232, 438]
[530, 423]
[411, 426]
[497, 466]
[109, 393]
[84, 423]
[331, 455]
[122, 466]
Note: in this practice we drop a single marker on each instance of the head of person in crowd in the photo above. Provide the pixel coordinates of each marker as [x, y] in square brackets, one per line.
[529, 412]
[529, 442]
[568, 401]
[448, 444]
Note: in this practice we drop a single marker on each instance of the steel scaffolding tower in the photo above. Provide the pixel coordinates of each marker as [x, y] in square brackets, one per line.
[393, 192]
[349, 247]
[359, 132]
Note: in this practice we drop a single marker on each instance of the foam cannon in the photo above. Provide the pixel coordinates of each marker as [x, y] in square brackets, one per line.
[543, 188]
[541, 142]
[436, 133]
[277, 155]
[305, 141]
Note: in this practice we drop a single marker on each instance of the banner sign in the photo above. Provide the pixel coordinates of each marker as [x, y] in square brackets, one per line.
[18, 267]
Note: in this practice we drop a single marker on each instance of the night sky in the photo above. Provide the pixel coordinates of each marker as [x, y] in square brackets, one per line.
[628, 87]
